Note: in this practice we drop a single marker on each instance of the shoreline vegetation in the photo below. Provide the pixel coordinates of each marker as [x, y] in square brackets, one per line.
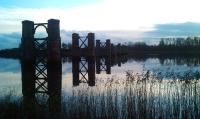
[13, 53]
[166, 46]
[139, 96]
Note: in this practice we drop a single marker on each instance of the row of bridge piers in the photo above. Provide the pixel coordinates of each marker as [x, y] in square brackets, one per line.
[41, 63]
[85, 56]
[83, 59]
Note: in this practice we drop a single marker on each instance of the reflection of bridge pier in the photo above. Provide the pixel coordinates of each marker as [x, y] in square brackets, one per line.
[119, 61]
[41, 66]
[103, 56]
[83, 59]
[103, 64]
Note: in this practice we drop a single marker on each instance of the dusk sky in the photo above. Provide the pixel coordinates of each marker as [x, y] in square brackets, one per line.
[124, 19]
[137, 15]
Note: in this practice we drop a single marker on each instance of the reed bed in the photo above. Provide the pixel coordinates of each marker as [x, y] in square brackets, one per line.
[139, 96]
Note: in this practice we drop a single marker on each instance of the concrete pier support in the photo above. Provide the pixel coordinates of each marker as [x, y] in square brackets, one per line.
[75, 60]
[98, 47]
[28, 68]
[28, 59]
[108, 47]
[91, 44]
[91, 59]
[41, 67]
[119, 50]
[54, 66]
[108, 57]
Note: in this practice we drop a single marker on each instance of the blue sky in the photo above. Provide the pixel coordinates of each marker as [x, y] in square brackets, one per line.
[44, 3]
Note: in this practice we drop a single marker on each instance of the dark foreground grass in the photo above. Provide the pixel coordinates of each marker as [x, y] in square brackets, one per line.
[10, 109]
[139, 96]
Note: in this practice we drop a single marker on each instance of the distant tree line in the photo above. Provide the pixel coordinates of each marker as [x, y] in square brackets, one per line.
[66, 45]
[189, 45]
[177, 46]
[189, 41]
[166, 45]
[10, 53]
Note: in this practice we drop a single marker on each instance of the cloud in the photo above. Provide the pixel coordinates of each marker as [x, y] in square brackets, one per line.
[118, 20]
[140, 15]
[175, 29]
[12, 40]
[114, 36]
[151, 37]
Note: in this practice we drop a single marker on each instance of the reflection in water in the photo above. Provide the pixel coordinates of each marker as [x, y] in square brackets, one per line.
[83, 69]
[10, 77]
[103, 64]
[145, 94]
[172, 67]
[34, 91]
[189, 61]
[41, 76]
[11, 65]
[176, 67]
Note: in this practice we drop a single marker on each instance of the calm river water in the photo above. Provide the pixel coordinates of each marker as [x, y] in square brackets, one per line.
[167, 68]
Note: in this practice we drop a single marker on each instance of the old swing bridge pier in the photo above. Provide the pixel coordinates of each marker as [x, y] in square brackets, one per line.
[41, 61]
